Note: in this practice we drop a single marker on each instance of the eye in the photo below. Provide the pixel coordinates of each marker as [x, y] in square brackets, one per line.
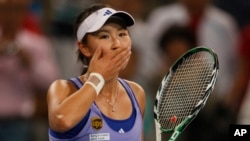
[122, 34]
[104, 36]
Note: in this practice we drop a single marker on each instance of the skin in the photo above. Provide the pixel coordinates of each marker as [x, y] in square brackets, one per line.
[109, 49]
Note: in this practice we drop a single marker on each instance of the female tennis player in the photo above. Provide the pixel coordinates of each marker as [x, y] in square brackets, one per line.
[98, 105]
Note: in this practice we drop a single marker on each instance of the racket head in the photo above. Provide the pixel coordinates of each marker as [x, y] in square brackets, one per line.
[185, 89]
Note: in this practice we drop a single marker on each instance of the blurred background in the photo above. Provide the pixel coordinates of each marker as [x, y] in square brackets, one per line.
[38, 45]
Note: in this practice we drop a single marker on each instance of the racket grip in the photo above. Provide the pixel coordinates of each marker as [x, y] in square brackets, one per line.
[175, 135]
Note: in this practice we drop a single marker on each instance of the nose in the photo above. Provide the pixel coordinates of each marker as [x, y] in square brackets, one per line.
[116, 44]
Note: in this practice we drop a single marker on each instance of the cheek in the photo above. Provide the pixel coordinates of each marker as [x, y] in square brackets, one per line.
[127, 43]
[95, 45]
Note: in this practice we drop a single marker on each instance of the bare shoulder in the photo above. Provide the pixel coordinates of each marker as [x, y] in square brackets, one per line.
[59, 85]
[139, 94]
[136, 87]
[59, 90]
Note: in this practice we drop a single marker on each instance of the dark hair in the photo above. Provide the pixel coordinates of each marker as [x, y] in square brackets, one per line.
[81, 17]
[176, 32]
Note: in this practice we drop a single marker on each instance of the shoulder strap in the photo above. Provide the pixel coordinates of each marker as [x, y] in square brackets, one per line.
[77, 82]
[129, 91]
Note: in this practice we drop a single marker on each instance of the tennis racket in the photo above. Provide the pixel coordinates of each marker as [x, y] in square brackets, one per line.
[184, 90]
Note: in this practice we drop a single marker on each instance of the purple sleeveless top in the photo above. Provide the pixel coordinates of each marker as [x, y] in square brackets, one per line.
[96, 127]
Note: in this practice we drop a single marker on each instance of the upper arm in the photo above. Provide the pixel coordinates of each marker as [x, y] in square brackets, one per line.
[67, 105]
[58, 91]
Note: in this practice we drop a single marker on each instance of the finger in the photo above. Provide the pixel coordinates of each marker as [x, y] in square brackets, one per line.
[120, 62]
[122, 55]
[118, 52]
[97, 53]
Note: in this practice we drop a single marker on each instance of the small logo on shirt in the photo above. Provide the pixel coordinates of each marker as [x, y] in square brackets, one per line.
[121, 131]
[99, 137]
[96, 123]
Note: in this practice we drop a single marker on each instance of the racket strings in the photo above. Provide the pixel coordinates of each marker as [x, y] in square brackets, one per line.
[185, 89]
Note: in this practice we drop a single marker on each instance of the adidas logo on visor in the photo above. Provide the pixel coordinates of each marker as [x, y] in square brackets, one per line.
[107, 12]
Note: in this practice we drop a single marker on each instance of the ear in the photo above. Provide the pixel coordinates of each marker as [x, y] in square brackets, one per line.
[84, 49]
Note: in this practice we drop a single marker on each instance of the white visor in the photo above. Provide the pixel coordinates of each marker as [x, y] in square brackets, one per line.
[97, 19]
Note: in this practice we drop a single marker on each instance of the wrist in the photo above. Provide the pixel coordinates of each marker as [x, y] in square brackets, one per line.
[97, 81]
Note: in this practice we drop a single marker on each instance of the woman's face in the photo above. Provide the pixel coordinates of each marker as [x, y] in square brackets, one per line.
[109, 37]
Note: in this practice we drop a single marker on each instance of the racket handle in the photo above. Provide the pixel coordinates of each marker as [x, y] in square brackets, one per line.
[175, 135]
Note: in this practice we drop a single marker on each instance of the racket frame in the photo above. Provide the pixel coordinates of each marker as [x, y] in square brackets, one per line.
[181, 126]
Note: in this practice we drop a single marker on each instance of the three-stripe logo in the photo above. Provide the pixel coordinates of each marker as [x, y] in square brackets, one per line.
[107, 12]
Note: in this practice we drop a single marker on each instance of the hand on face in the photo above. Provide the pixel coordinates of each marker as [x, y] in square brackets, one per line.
[109, 64]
